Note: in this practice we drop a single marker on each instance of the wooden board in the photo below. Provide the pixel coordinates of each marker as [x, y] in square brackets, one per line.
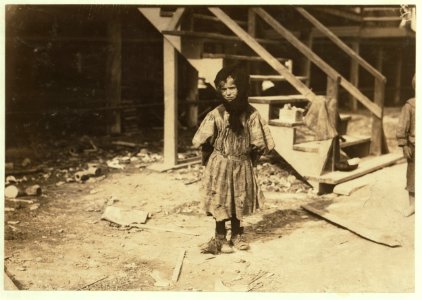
[8, 283]
[281, 99]
[348, 187]
[367, 165]
[213, 36]
[277, 122]
[272, 77]
[371, 233]
[238, 57]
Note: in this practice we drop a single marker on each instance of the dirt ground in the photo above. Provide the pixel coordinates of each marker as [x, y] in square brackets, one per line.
[63, 244]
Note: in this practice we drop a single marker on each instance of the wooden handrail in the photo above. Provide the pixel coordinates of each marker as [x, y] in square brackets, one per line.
[261, 51]
[332, 73]
[356, 57]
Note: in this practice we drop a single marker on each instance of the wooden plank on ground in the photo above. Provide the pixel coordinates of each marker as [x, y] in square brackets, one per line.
[178, 267]
[348, 187]
[372, 234]
[9, 285]
[368, 165]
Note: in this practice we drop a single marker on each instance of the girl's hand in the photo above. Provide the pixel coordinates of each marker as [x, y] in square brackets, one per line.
[407, 152]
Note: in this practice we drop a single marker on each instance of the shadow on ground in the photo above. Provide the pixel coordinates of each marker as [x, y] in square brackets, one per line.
[281, 222]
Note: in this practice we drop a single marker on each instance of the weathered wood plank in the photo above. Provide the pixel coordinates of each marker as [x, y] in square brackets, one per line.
[9, 284]
[281, 99]
[238, 57]
[339, 13]
[114, 70]
[372, 234]
[272, 77]
[214, 36]
[367, 165]
[178, 267]
[215, 19]
[170, 104]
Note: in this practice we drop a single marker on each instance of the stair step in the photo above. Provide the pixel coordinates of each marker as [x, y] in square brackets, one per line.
[354, 140]
[272, 77]
[277, 122]
[281, 99]
[238, 57]
[214, 36]
[313, 146]
[367, 165]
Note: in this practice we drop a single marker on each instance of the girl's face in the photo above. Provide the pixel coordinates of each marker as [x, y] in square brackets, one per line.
[228, 89]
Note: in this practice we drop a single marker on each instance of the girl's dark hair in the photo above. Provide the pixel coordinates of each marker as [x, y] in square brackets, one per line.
[236, 107]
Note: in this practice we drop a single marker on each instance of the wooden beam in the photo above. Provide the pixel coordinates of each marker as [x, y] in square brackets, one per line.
[261, 51]
[382, 19]
[175, 20]
[339, 13]
[306, 63]
[170, 103]
[251, 22]
[379, 144]
[238, 57]
[213, 36]
[192, 96]
[354, 56]
[354, 73]
[114, 70]
[365, 32]
[332, 103]
[398, 78]
[215, 19]
[318, 61]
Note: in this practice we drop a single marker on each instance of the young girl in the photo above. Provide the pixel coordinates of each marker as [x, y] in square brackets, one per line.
[406, 140]
[233, 136]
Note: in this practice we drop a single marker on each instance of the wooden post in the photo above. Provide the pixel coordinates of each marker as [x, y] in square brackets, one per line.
[309, 42]
[253, 67]
[354, 74]
[397, 83]
[114, 70]
[170, 104]
[192, 96]
[378, 140]
[332, 99]
[251, 22]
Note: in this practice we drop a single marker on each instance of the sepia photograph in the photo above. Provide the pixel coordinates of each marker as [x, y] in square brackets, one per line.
[212, 147]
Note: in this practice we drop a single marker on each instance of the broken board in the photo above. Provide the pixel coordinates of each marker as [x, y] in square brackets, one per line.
[124, 217]
[369, 232]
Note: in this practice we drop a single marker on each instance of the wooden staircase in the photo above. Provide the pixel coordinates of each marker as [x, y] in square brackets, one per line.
[313, 160]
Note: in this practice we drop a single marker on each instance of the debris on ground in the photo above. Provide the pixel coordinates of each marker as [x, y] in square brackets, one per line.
[159, 281]
[124, 217]
[178, 267]
[33, 190]
[12, 191]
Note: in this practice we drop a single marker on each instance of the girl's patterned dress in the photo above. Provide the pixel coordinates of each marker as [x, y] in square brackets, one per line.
[229, 186]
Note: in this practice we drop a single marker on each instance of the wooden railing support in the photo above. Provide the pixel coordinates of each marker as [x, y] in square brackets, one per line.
[332, 104]
[170, 104]
[378, 139]
[327, 69]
